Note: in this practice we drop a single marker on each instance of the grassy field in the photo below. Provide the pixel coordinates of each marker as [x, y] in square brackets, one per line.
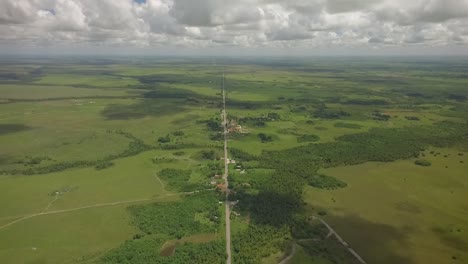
[67, 237]
[96, 152]
[73, 113]
[399, 212]
[38, 92]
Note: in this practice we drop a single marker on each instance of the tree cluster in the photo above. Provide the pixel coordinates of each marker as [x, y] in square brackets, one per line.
[264, 138]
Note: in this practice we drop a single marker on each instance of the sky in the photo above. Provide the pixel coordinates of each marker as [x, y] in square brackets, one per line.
[234, 27]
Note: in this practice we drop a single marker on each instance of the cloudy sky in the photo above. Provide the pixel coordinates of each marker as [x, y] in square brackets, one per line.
[284, 27]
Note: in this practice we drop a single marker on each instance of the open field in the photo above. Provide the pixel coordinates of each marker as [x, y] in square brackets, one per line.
[67, 237]
[414, 214]
[114, 160]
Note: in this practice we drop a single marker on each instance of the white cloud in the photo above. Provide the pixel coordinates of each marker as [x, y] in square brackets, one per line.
[241, 23]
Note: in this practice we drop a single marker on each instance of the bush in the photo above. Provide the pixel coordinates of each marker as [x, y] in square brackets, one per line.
[178, 133]
[273, 116]
[380, 117]
[326, 182]
[366, 102]
[423, 162]
[347, 125]
[241, 155]
[165, 139]
[207, 155]
[214, 125]
[308, 138]
[412, 118]
[330, 114]
[103, 165]
[322, 213]
[264, 138]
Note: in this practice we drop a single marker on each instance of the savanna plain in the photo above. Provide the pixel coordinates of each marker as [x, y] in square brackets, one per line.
[120, 160]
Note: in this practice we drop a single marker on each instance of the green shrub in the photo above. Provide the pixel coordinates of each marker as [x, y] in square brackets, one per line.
[423, 162]
[322, 213]
[241, 155]
[178, 133]
[104, 164]
[165, 139]
[326, 182]
[347, 125]
[206, 155]
[264, 138]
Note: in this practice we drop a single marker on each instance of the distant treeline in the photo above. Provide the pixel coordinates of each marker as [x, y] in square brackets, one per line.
[13, 100]
[366, 102]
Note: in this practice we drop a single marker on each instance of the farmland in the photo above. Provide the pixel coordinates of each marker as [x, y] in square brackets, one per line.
[115, 160]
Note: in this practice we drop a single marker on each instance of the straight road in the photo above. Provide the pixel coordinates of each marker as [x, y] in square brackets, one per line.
[341, 240]
[225, 177]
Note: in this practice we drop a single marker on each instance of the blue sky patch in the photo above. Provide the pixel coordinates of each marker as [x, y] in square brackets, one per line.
[52, 11]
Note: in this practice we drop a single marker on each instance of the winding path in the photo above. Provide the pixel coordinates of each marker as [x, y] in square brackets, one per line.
[288, 258]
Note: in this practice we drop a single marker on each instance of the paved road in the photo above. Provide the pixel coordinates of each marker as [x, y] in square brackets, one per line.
[225, 177]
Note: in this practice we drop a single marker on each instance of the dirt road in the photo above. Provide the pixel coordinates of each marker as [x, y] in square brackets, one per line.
[333, 232]
[288, 258]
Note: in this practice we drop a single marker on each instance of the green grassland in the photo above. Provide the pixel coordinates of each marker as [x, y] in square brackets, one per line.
[99, 158]
[414, 214]
[67, 237]
[37, 92]
[78, 148]
[92, 80]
